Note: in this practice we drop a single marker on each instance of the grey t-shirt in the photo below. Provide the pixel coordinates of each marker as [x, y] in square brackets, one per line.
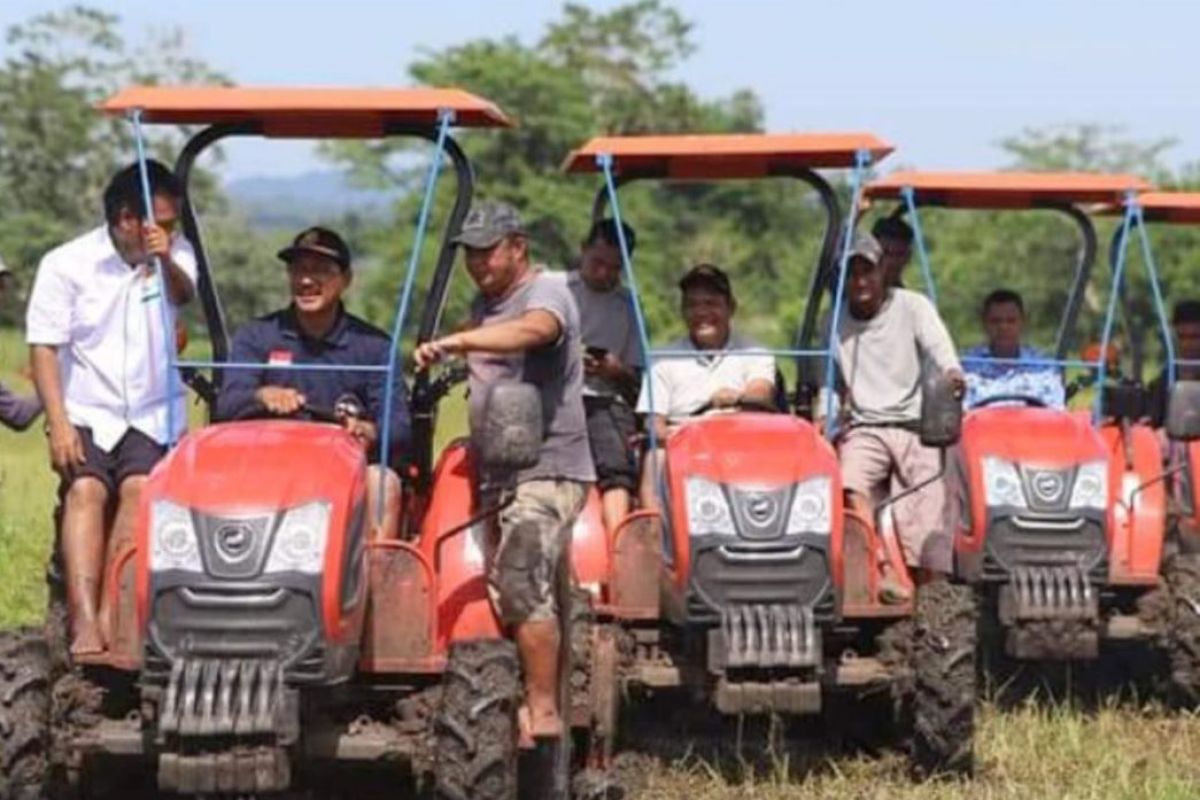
[606, 320]
[882, 360]
[556, 369]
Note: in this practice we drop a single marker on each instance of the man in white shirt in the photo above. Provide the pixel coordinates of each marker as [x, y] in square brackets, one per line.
[680, 387]
[98, 349]
[612, 363]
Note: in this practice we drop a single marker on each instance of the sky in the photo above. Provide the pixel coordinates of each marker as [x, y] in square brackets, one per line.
[942, 80]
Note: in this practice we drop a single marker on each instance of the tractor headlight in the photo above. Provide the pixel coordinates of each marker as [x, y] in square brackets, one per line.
[707, 509]
[1091, 486]
[173, 543]
[299, 544]
[1002, 483]
[811, 507]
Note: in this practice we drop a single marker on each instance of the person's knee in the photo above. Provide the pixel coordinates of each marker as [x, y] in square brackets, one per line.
[390, 480]
[131, 488]
[87, 492]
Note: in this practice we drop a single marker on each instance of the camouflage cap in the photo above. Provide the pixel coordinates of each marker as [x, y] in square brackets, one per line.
[487, 223]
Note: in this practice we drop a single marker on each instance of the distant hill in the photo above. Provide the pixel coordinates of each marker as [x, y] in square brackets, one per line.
[297, 200]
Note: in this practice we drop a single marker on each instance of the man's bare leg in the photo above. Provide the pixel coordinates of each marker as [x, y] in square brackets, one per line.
[615, 506]
[537, 646]
[648, 493]
[891, 590]
[390, 527]
[83, 557]
[129, 494]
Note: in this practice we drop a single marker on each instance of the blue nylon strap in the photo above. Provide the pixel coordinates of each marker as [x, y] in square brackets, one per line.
[861, 159]
[139, 140]
[922, 253]
[1111, 313]
[1160, 307]
[445, 120]
[605, 162]
[250, 365]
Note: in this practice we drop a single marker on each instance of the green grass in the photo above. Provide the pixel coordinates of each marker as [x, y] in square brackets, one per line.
[1035, 751]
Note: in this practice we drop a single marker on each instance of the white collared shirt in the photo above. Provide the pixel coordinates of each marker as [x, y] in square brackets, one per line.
[106, 320]
[684, 385]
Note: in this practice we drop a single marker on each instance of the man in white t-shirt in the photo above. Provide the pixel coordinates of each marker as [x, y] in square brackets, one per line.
[98, 348]
[715, 378]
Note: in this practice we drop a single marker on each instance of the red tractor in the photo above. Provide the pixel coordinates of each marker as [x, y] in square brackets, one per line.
[265, 631]
[758, 590]
[1065, 529]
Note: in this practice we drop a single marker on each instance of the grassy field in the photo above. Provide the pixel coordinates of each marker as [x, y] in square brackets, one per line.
[1037, 750]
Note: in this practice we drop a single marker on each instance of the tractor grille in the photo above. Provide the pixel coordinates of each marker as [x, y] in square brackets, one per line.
[225, 621]
[1044, 540]
[730, 572]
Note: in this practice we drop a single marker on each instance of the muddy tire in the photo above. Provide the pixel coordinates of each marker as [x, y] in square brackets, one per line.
[476, 725]
[24, 715]
[1182, 639]
[944, 680]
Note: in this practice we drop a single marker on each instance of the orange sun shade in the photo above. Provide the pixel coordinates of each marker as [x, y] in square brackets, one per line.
[313, 113]
[1179, 207]
[715, 156]
[1006, 189]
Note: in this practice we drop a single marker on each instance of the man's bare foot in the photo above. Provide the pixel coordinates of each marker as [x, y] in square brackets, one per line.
[87, 641]
[892, 592]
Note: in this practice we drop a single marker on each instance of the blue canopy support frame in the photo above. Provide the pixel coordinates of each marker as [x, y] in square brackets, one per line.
[910, 203]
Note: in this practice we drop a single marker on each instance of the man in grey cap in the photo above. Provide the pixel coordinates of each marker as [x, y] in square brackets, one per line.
[16, 411]
[526, 328]
[887, 338]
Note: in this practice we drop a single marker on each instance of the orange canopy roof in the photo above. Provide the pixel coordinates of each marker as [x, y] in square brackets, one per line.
[715, 156]
[1006, 189]
[1181, 207]
[304, 112]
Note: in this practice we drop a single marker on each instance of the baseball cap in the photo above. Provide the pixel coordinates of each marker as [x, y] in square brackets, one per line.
[867, 247]
[487, 223]
[709, 276]
[319, 241]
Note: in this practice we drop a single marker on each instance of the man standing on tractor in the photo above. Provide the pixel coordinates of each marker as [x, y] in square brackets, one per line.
[713, 379]
[612, 363]
[887, 338]
[895, 236]
[1185, 320]
[1004, 322]
[526, 328]
[315, 329]
[98, 353]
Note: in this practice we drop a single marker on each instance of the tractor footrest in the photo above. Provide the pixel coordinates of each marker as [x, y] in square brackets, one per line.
[764, 636]
[1046, 593]
[221, 697]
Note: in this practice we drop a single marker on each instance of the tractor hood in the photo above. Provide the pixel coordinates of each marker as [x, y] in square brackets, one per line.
[258, 465]
[750, 448]
[1042, 436]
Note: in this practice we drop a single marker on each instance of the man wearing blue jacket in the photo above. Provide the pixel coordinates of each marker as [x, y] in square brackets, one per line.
[316, 329]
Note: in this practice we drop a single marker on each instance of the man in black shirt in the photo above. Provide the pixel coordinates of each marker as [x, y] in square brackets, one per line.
[315, 329]
[1185, 320]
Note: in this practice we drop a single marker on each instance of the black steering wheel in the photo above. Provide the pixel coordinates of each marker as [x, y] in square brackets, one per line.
[346, 406]
[742, 404]
[1024, 399]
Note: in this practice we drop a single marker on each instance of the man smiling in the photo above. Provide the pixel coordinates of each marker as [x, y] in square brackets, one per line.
[315, 329]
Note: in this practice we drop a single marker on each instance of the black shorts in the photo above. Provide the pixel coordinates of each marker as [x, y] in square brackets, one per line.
[610, 427]
[134, 454]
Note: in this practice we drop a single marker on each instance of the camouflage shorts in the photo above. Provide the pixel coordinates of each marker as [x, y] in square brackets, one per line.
[533, 531]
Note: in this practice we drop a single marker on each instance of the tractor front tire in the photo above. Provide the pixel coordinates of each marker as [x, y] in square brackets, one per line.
[476, 725]
[24, 715]
[944, 680]
[1182, 578]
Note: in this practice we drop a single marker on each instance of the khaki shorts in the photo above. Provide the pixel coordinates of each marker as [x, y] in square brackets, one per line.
[873, 459]
[533, 531]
